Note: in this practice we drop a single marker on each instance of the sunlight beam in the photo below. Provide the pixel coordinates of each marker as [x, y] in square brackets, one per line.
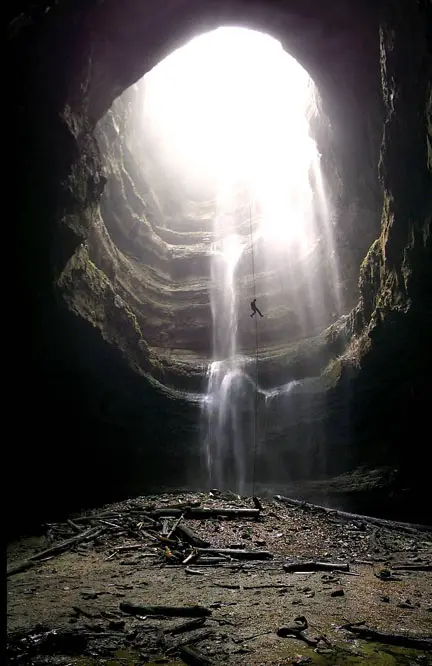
[230, 109]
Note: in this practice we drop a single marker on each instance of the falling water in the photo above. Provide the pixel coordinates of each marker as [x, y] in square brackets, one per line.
[293, 218]
[240, 134]
[228, 387]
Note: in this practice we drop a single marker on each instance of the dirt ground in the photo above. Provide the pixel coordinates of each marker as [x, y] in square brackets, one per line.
[65, 609]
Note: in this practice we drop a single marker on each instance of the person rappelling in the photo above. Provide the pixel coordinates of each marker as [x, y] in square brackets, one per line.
[255, 309]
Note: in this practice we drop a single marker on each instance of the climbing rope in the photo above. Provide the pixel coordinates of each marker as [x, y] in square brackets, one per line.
[255, 435]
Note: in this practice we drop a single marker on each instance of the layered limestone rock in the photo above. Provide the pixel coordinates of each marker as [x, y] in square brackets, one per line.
[155, 243]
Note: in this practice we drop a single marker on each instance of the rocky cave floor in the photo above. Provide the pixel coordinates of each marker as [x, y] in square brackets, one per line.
[88, 591]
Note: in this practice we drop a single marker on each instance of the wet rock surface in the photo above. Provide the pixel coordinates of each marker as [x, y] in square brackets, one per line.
[136, 591]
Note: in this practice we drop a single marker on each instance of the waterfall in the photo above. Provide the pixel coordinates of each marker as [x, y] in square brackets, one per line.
[230, 118]
[290, 219]
[227, 404]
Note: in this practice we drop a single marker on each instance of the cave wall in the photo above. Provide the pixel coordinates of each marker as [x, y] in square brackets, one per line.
[68, 62]
[162, 273]
[393, 321]
[154, 240]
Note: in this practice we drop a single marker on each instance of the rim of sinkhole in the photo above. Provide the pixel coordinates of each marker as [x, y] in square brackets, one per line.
[229, 113]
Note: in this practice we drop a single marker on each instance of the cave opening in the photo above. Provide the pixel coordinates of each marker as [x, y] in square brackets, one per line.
[216, 193]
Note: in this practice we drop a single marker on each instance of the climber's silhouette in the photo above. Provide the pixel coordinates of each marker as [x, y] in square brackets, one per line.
[255, 309]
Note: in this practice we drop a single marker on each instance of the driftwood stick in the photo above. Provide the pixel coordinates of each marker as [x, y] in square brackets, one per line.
[107, 522]
[174, 527]
[214, 561]
[54, 550]
[315, 566]
[96, 533]
[400, 640]
[167, 611]
[112, 556]
[191, 558]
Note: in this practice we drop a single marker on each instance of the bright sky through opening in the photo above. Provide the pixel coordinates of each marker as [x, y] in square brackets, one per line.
[231, 109]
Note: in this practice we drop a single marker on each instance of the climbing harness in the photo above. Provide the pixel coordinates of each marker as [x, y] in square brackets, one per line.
[255, 436]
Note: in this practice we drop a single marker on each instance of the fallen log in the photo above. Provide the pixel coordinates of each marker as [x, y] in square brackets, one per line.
[198, 513]
[212, 561]
[193, 658]
[54, 550]
[236, 554]
[96, 516]
[315, 566]
[412, 567]
[226, 513]
[167, 611]
[399, 640]
[183, 505]
[381, 522]
[165, 512]
[185, 533]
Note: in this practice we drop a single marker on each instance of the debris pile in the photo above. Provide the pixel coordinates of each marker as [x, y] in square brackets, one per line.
[233, 546]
